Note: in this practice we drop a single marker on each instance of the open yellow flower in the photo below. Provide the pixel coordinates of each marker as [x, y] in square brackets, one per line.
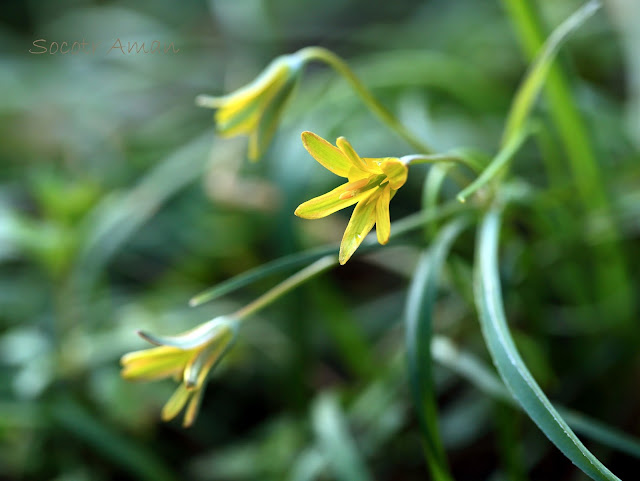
[255, 109]
[372, 183]
[189, 357]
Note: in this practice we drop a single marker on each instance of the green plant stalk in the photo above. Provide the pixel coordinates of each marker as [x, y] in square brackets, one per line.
[316, 268]
[452, 157]
[496, 166]
[300, 277]
[341, 67]
[398, 228]
[610, 265]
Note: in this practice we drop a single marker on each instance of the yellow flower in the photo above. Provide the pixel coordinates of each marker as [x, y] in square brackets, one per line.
[372, 183]
[189, 357]
[255, 109]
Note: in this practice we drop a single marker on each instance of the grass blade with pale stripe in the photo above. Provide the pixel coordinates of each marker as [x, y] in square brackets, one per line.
[506, 357]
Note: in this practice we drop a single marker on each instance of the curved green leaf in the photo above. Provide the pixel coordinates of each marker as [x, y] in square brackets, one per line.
[420, 302]
[507, 359]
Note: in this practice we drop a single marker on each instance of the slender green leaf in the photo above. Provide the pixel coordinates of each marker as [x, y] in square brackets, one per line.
[506, 357]
[419, 313]
[534, 80]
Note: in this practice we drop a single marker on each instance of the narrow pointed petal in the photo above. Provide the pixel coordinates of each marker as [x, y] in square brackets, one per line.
[268, 122]
[243, 122]
[271, 78]
[175, 403]
[192, 409]
[345, 147]
[156, 363]
[361, 222]
[395, 171]
[154, 353]
[326, 154]
[331, 202]
[383, 221]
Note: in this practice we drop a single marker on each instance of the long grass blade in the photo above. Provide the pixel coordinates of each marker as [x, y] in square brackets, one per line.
[419, 319]
[534, 80]
[506, 357]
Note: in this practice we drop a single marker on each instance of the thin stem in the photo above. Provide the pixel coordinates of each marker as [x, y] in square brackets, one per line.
[312, 270]
[447, 157]
[340, 66]
[326, 262]
[497, 164]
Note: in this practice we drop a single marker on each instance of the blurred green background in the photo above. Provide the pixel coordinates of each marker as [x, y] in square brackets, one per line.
[118, 203]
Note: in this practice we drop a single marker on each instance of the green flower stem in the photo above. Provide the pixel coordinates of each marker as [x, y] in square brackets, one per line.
[328, 261]
[447, 157]
[497, 165]
[340, 66]
[300, 277]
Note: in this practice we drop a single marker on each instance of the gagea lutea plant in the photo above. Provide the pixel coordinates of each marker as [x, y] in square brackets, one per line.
[486, 188]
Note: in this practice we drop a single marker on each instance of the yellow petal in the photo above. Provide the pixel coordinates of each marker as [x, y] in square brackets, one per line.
[192, 409]
[269, 119]
[383, 221]
[345, 147]
[154, 363]
[175, 403]
[274, 76]
[243, 109]
[361, 222]
[243, 122]
[150, 354]
[326, 154]
[331, 202]
[150, 371]
[395, 171]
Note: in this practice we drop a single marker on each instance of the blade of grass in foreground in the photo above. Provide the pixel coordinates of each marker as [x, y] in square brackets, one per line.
[506, 357]
[420, 305]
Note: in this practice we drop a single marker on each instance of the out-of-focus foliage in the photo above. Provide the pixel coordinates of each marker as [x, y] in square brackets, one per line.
[118, 204]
